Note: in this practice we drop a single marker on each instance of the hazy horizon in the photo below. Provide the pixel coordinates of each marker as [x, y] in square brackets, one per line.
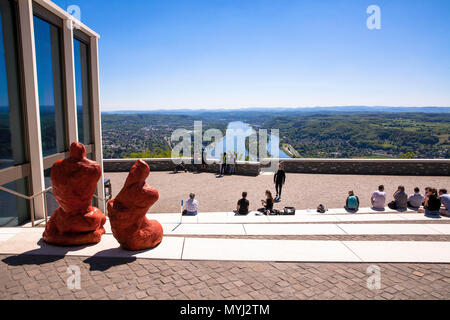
[133, 109]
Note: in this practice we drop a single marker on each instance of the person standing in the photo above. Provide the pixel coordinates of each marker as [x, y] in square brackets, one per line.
[232, 163]
[204, 155]
[223, 167]
[279, 179]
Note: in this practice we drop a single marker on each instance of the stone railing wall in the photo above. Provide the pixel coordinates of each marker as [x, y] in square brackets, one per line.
[124, 165]
[414, 167]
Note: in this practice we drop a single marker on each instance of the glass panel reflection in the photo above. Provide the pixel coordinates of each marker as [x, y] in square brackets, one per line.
[11, 124]
[82, 91]
[14, 211]
[49, 72]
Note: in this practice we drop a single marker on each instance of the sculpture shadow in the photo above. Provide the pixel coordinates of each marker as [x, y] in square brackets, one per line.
[99, 263]
[103, 260]
[47, 253]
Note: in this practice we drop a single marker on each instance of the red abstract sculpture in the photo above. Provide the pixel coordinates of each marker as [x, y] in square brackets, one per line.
[127, 211]
[75, 222]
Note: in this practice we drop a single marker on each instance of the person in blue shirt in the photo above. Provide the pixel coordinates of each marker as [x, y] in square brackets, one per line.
[352, 203]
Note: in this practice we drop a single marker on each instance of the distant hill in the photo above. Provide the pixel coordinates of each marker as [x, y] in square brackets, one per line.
[316, 110]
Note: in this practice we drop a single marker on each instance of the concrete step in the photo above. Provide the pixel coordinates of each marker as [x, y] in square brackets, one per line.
[27, 242]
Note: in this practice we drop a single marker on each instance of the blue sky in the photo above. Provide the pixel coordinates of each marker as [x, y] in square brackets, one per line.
[267, 53]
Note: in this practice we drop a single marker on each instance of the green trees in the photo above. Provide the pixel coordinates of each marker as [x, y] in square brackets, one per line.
[408, 155]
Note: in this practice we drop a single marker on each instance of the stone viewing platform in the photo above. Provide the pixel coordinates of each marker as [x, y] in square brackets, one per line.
[404, 167]
[218, 255]
[225, 236]
[301, 191]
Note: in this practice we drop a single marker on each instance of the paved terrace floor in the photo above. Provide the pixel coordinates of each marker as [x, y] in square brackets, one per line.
[301, 191]
[217, 255]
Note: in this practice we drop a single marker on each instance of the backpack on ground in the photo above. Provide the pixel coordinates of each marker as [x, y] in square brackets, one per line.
[288, 211]
[352, 202]
[321, 208]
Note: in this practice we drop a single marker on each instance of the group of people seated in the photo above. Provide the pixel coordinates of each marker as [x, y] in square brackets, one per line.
[243, 204]
[190, 207]
[433, 203]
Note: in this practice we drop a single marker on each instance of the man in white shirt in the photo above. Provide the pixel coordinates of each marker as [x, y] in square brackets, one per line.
[378, 198]
[415, 200]
[445, 201]
[191, 206]
[231, 162]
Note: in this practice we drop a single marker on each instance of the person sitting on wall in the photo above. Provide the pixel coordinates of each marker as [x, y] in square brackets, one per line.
[267, 204]
[445, 201]
[352, 203]
[416, 200]
[191, 206]
[378, 198]
[242, 205]
[400, 199]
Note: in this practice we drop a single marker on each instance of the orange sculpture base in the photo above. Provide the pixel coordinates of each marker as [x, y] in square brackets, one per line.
[72, 230]
[75, 222]
[127, 212]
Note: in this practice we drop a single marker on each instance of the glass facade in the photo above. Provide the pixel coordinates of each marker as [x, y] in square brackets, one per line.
[49, 75]
[14, 210]
[20, 122]
[82, 92]
[11, 123]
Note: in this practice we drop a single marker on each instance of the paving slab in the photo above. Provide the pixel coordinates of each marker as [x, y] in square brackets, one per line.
[172, 218]
[421, 216]
[6, 236]
[170, 248]
[213, 217]
[303, 218]
[266, 250]
[231, 217]
[389, 229]
[10, 230]
[401, 251]
[205, 229]
[333, 215]
[293, 229]
[369, 217]
[442, 228]
[32, 244]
